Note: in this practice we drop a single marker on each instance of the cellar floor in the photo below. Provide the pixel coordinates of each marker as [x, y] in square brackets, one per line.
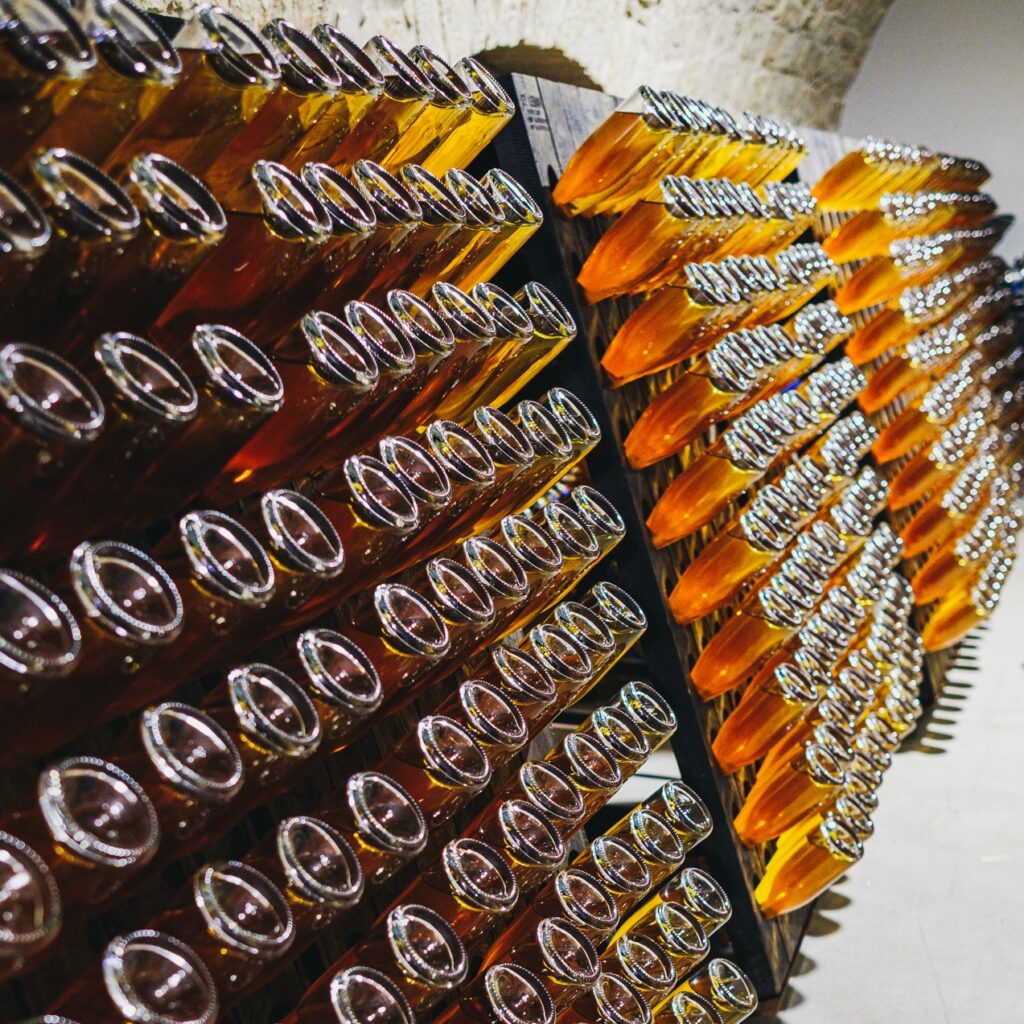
[928, 927]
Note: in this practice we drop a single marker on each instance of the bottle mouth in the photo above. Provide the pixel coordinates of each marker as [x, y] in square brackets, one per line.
[685, 812]
[361, 995]
[567, 952]
[586, 629]
[380, 495]
[424, 327]
[385, 814]
[340, 673]
[403, 80]
[439, 206]
[25, 232]
[505, 442]
[681, 931]
[237, 371]
[226, 557]
[479, 876]
[574, 418]
[39, 637]
[487, 96]
[392, 201]
[522, 676]
[562, 656]
[823, 766]
[458, 593]
[451, 752]
[244, 909]
[353, 68]
[648, 710]
[518, 206]
[551, 318]
[84, 199]
[347, 205]
[147, 378]
[460, 453]
[45, 39]
[591, 763]
[340, 353]
[466, 318]
[496, 568]
[619, 1001]
[509, 317]
[546, 434]
[131, 42]
[290, 208]
[619, 867]
[32, 905]
[531, 544]
[48, 396]
[618, 733]
[645, 963]
[529, 834]
[234, 51]
[177, 203]
[449, 89]
[418, 470]
[491, 717]
[98, 812]
[551, 791]
[481, 210]
[381, 337]
[570, 532]
[272, 711]
[191, 751]
[617, 609]
[306, 68]
[318, 863]
[426, 947]
[125, 593]
[515, 996]
[654, 838]
[301, 536]
[409, 621]
[152, 978]
[584, 900]
[729, 988]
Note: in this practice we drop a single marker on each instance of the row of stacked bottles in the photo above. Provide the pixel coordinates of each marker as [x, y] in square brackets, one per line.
[274, 501]
[736, 352]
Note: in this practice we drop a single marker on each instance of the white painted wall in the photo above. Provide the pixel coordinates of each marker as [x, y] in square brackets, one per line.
[950, 74]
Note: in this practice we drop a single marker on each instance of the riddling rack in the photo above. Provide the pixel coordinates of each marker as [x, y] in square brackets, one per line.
[552, 120]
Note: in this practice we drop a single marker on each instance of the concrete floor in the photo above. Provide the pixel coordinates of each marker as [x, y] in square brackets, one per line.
[929, 927]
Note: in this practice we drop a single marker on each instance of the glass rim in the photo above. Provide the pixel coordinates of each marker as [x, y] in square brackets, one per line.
[312, 886]
[581, 670]
[548, 312]
[503, 656]
[23, 660]
[482, 211]
[110, 615]
[33, 242]
[182, 774]
[201, 218]
[289, 204]
[512, 198]
[61, 824]
[489, 732]
[440, 434]
[612, 873]
[435, 338]
[305, 67]
[288, 547]
[392, 202]
[466, 317]
[436, 759]
[44, 930]
[259, 727]
[654, 715]
[391, 447]
[231, 932]
[376, 828]
[161, 63]
[610, 1014]
[118, 984]
[36, 51]
[506, 1014]
[384, 605]
[42, 418]
[402, 78]
[574, 910]
[528, 782]
[238, 68]
[341, 1002]
[465, 885]
[110, 351]
[379, 334]
[308, 644]
[556, 963]
[570, 530]
[502, 435]
[474, 606]
[510, 585]
[590, 778]
[634, 750]
[575, 418]
[357, 217]
[449, 89]
[439, 205]
[357, 470]
[192, 529]
[425, 973]
[509, 317]
[640, 973]
[523, 849]
[513, 527]
[207, 342]
[358, 73]
[546, 434]
[493, 100]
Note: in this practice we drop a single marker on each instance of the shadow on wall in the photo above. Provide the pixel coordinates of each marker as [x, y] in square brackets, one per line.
[542, 62]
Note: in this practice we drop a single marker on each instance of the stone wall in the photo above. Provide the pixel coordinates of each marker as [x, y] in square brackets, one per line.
[793, 59]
